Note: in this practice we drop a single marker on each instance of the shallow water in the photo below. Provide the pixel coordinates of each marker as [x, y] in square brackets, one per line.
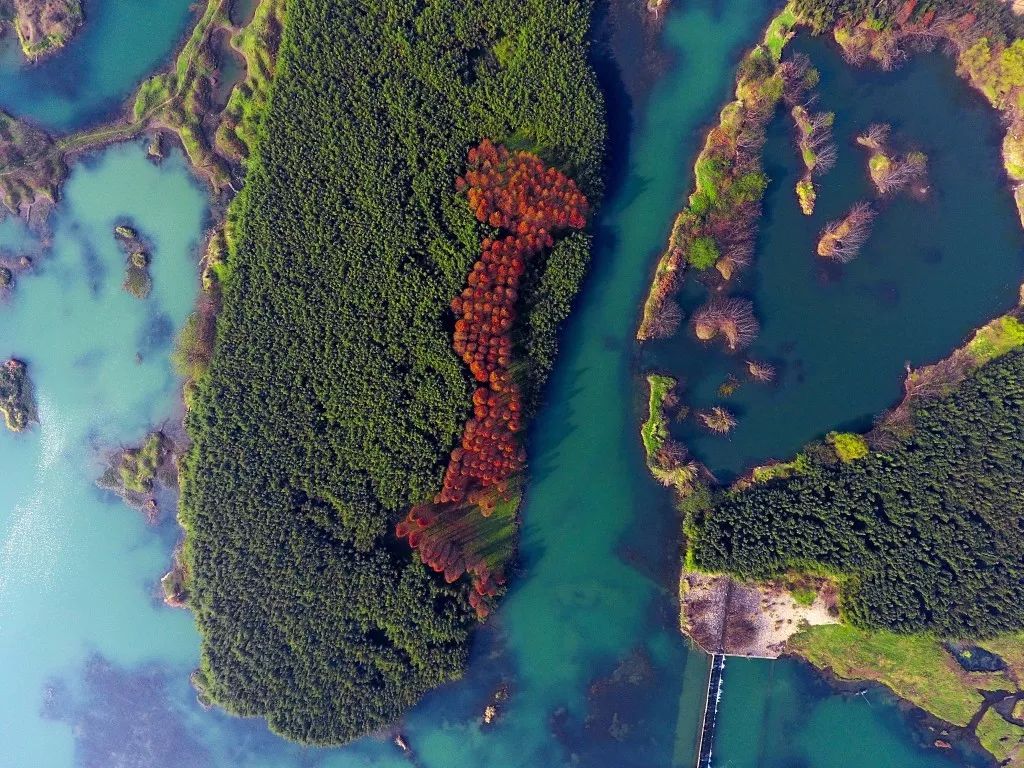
[586, 640]
[783, 715]
[121, 43]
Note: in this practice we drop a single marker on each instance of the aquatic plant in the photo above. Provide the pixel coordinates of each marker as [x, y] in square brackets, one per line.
[732, 318]
[717, 419]
[842, 240]
[728, 387]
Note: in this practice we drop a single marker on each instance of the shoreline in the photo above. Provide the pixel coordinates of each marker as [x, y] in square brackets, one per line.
[988, 341]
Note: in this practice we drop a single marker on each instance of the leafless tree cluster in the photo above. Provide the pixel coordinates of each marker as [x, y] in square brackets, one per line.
[759, 371]
[798, 77]
[816, 137]
[735, 232]
[657, 325]
[938, 379]
[842, 240]
[732, 318]
[665, 319]
[718, 420]
[899, 173]
[876, 136]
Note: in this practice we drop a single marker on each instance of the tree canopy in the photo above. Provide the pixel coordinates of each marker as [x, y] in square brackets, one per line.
[334, 398]
[927, 536]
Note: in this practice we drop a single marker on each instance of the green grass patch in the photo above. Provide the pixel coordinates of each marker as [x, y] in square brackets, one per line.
[1000, 336]
[849, 446]
[915, 667]
[703, 253]
[1001, 738]
[138, 466]
[780, 470]
[654, 431]
[780, 30]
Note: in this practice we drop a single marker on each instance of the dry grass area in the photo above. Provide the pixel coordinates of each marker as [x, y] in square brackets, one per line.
[722, 615]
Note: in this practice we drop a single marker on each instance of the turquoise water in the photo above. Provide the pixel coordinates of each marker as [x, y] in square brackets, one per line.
[121, 43]
[96, 667]
[783, 715]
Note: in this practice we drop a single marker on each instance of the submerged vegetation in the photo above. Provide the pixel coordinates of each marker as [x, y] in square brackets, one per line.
[334, 398]
[17, 402]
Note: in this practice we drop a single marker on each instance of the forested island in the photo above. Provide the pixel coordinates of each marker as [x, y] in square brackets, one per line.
[908, 537]
[334, 398]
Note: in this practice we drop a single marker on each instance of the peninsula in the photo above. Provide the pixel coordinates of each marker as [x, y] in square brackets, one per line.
[790, 559]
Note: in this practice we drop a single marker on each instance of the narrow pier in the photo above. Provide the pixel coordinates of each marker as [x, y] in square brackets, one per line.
[707, 728]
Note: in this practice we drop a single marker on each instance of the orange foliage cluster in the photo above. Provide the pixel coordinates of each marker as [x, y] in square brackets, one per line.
[445, 541]
[516, 193]
[531, 203]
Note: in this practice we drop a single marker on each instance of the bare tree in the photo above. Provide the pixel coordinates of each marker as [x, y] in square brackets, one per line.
[876, 136]
[842, 240]
[665, 320]
[731, 318]
[718, 420]
[760, 371]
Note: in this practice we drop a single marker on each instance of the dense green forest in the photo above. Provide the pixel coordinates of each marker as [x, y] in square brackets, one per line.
[927, 535]
[334, 396]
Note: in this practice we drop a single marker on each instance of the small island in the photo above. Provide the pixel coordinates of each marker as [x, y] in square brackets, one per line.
[137, 280]
[43, 27]
[135, 472]
[17, 402]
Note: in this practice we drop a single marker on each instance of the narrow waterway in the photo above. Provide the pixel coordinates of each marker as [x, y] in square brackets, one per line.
[586, 642]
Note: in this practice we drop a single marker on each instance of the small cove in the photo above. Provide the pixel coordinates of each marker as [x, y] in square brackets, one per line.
[121, 43]
[930, 272]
